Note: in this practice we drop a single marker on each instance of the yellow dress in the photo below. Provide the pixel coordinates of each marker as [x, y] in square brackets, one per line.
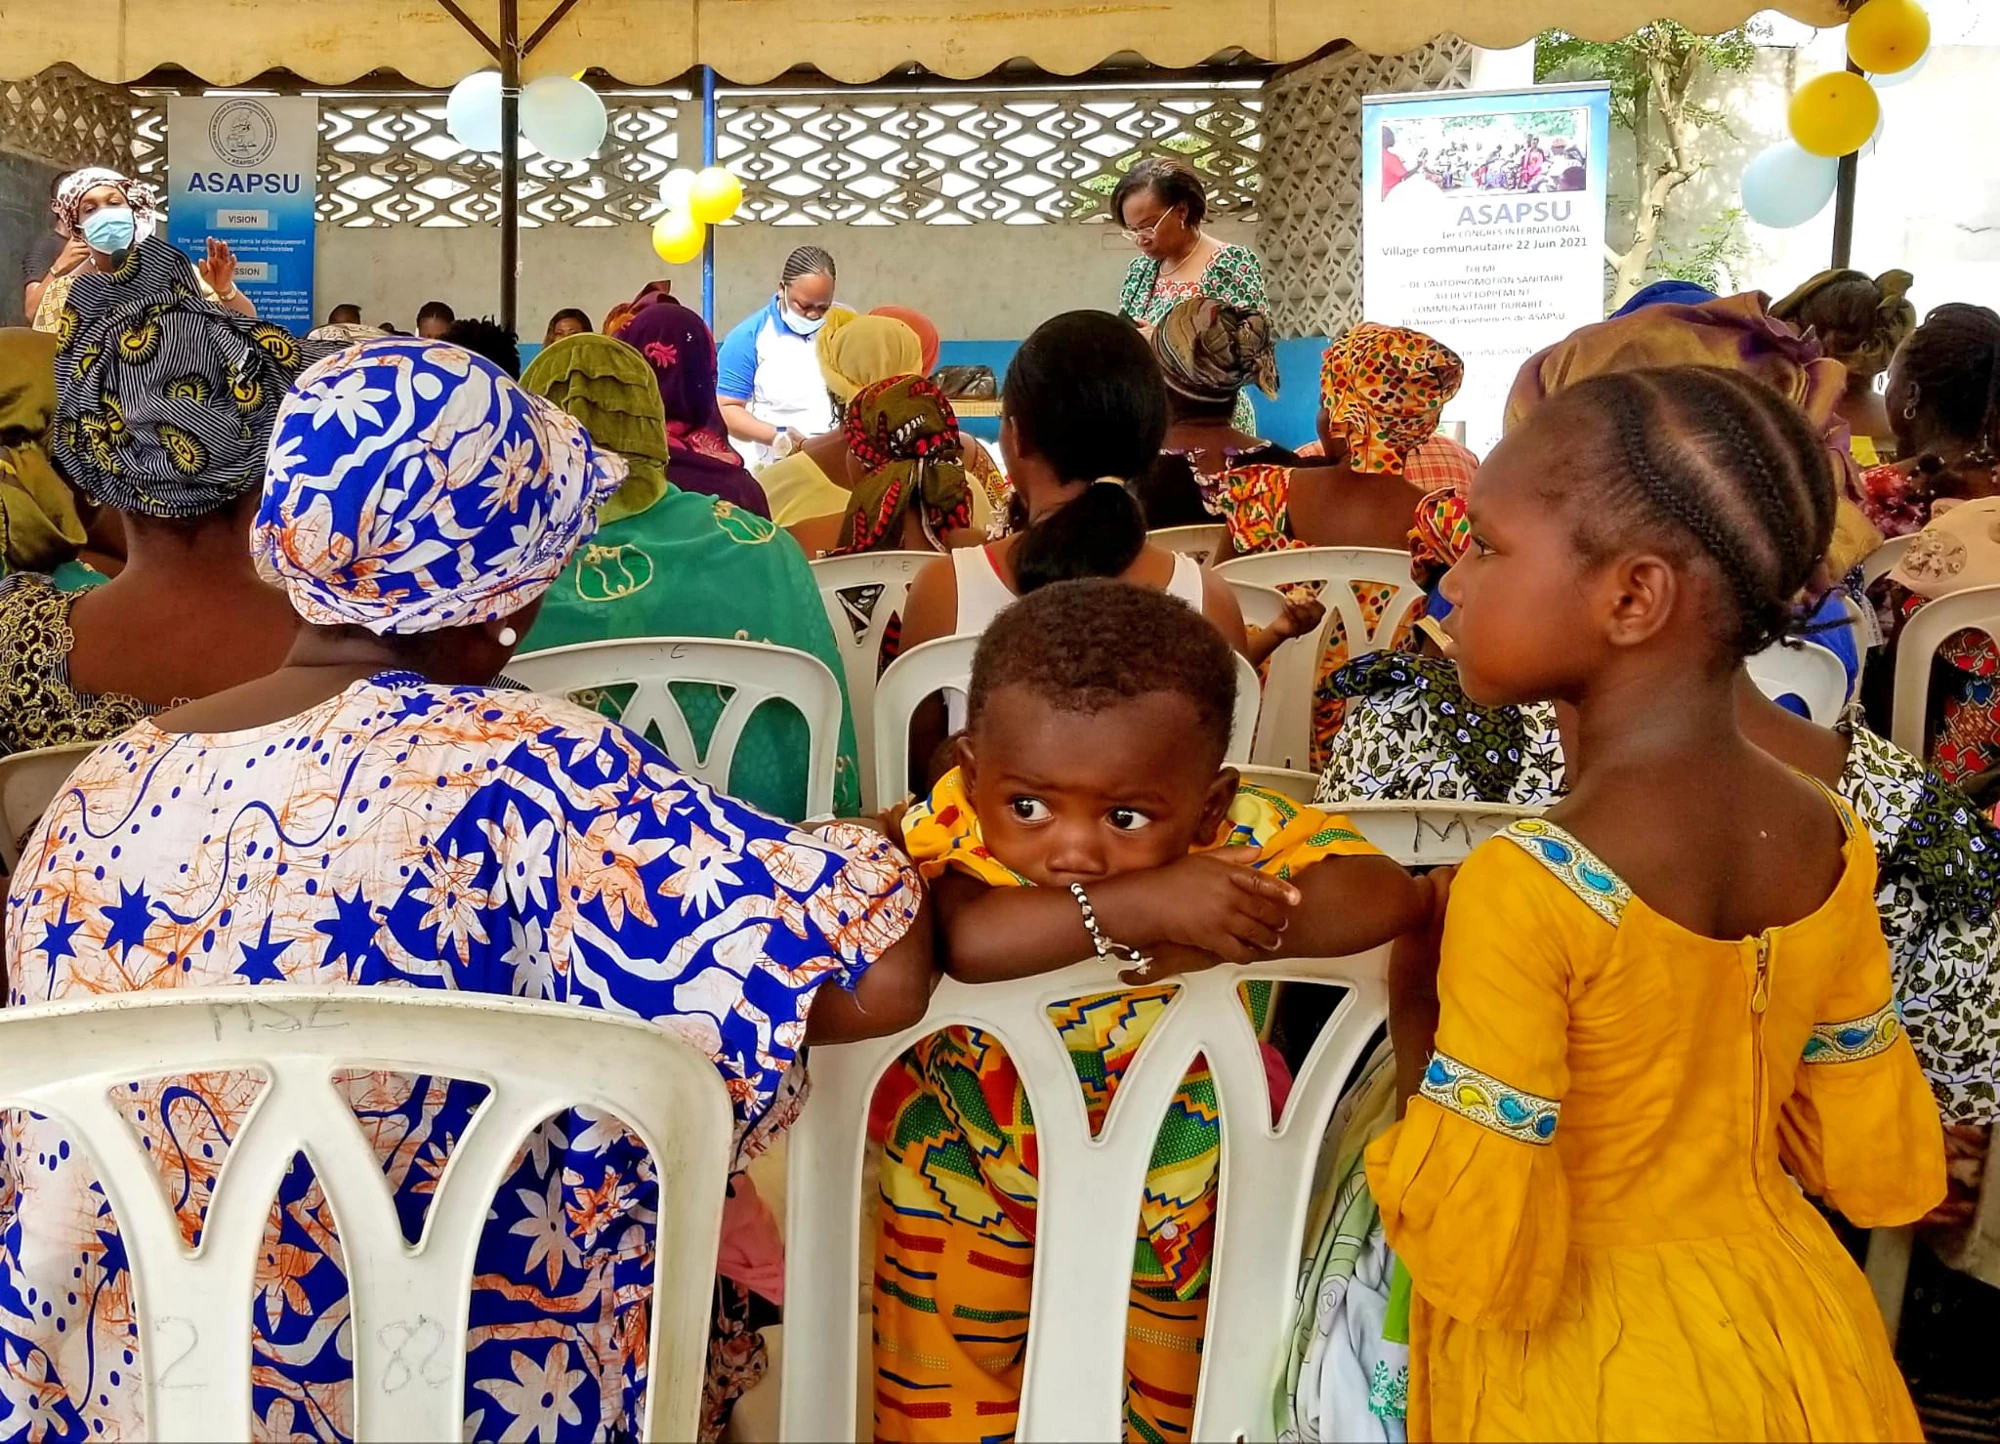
[1591, 1192]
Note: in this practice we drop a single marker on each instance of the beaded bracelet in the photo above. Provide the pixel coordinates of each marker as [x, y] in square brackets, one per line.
[1106, 949]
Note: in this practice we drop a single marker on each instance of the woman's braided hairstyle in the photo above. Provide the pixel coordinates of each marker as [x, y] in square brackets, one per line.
[1721, 462]
[806, 261]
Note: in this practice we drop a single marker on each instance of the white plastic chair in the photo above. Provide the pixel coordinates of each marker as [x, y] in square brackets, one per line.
[29, 782]
[1804, 670]
[1199, 542]
[1260, 605]
[861, 593]
[1290, 782]
[1284, 735]
[66, 1059]
[945, 664]
[1429, 834]
[1876, 565]
[1932, 625]
[754, 673]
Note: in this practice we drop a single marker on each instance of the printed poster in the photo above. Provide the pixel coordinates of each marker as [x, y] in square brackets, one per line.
[243, 169]
[1482, 224]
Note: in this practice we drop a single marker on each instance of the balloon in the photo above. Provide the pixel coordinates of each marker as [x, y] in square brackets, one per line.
[1835, 113]
[1882, 82]
[1786, 186]
[674, 189]
[1887, 36]
[715, 196]
[678, 237]
[472, 111]
[1876, 139]
[563, 118]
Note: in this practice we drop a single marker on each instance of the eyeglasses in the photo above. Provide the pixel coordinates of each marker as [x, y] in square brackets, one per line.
[1144, 233]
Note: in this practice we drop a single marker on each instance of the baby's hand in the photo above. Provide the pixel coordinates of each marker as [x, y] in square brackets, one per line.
[1214, 903]
[1299, 618]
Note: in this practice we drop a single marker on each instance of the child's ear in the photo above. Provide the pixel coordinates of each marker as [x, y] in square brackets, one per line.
[1643, 593]
[961, 748]
[1215, 806]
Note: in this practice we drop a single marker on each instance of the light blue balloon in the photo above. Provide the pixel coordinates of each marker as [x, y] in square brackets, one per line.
[472, 112]
[1898, 77]
[1787, 186]
[563, 118]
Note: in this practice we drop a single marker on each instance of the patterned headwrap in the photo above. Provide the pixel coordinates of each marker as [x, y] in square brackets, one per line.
[1382, 387]
[1439, 535]
[1869, 335]
[414, 487]
[144, 200]
[906, 434]
[1209, 351]
[165, 401]
[611, 389]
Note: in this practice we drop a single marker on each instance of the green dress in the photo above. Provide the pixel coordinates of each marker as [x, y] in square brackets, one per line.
[1232, 277]
[691, 565]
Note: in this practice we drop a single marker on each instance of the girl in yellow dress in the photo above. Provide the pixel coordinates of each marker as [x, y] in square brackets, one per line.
[1091, 809]
[1665, 1009]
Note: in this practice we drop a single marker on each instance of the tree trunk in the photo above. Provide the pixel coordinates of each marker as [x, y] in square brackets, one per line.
[1672, 167]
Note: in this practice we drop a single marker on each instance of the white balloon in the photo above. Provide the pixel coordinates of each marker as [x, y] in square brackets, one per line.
[563, 117]
[1897, 77]
[472, 111]
[1787, 186]
[674, 189]
[1875, 139]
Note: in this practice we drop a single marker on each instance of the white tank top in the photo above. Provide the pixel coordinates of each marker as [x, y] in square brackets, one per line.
[982, 595]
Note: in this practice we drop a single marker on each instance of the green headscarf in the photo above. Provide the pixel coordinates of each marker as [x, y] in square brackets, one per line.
[38, 518]
[611, 389]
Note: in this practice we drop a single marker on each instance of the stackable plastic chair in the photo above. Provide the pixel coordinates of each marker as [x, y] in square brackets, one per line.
[753, 673]
[29, 782]
[65, 1060]
[1930, 627]
[1804, 670]
[1876, 564]
[1284, 735]
[1199, 542]
[861, 593]
[945, 665]
[1260, 605]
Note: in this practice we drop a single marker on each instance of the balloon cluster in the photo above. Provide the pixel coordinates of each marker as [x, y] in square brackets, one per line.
[695, 201]
[562, 117]
[1836, 114]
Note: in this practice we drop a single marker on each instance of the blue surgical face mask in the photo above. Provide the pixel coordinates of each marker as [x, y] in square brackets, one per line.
[110, 230]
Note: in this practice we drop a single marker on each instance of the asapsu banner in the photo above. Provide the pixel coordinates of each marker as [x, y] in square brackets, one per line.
[243, 169]
[1482, 224]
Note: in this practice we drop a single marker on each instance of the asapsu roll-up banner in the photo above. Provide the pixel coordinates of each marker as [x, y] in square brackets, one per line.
[1482, 224]
[243, 169]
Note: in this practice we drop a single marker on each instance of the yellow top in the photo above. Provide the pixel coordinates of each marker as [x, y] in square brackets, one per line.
[1590, 1191]
[798, 490]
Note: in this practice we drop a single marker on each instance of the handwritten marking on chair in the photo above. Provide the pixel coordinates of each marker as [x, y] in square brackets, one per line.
[257, 1017]
[398, 1338]
[183, 1327]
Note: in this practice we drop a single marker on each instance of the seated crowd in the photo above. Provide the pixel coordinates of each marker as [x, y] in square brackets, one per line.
[1649, 1048]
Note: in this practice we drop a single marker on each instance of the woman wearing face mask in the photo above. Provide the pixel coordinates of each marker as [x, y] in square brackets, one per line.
[104, 215]
[773, 396]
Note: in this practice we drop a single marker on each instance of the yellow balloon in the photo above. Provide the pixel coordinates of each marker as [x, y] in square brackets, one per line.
[678, 237]
[1835, 113]
[1885, 36]
[715, 196]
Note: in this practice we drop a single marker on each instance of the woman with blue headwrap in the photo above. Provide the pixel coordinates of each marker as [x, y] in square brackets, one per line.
[373, 813]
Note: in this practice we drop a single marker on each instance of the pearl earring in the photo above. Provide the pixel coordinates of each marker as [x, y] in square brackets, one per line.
[508, 637]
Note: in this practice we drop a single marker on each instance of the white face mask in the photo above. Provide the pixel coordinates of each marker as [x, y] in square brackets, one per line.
[796, 322]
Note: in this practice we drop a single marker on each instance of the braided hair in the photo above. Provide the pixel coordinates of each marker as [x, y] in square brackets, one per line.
[806, 261]
[1704, 463]
[1954, 361]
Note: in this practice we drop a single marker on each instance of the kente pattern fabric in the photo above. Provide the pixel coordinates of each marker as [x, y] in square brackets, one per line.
[1679, 1064]
[1382, 388]
[954, 1246]
[165, 401]
[413, 487]
[408, 834]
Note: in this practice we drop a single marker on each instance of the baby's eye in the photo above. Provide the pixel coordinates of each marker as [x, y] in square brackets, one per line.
[1127, 819]
[1030, 809]
[1479, 545]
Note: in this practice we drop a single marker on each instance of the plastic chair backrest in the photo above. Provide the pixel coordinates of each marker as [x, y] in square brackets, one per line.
[29, 782]
[1804, 670]
[1877, 563]
[1930, 627]
[753, 672]
[1199, 542]
[861, 593]
[1290, 782]
[1087, 1216]
[1284, 735]
[945, 664]
[1260, 605]
[65, 1060]
[1429, 834]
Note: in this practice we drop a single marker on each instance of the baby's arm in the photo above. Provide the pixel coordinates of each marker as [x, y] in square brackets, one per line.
[1205, 902]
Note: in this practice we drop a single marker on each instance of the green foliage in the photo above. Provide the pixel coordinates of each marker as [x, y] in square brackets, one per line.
[1718, 257]
[1629, 64]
